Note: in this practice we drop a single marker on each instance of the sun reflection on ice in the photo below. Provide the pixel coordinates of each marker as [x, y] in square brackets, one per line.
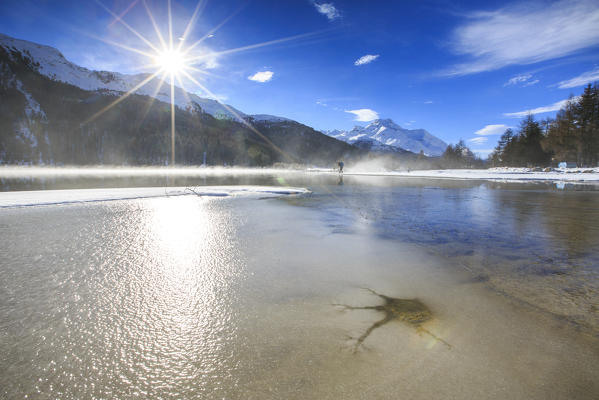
[180, 289]
[190, 246]
[181, 232]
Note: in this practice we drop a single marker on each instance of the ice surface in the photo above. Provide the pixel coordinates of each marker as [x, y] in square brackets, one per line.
[181, 298]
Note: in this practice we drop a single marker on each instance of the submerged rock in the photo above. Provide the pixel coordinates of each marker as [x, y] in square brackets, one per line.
[411, 311]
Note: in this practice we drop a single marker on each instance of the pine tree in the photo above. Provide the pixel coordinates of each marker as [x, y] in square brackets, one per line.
[530, 138]
[499, 155]
[587, 124]
[574, 134]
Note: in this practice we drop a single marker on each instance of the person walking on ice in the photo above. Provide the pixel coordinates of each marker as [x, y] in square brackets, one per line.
[340, 164]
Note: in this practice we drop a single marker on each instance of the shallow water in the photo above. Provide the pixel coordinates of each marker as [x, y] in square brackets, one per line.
[189, 297]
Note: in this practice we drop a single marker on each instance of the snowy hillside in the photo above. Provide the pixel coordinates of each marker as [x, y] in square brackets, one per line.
[268, 118]
[50, 62]
[388, 133]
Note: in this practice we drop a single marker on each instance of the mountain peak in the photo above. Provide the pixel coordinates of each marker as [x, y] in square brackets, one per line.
[388, 133]
[383, 122]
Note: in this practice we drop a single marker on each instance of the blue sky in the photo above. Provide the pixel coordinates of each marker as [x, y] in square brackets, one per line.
[460, 69]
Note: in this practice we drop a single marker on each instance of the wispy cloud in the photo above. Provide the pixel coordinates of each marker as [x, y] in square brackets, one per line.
[496, 129]
[327, 9]
[364, 114]
[337, 99]
[540, 110]
[524, 34]
[518, 79]
[331, 101]
[580, 80]
[428, 102]
[367, 59]
[478, 140]
[521, 80]
[262, 76]
[324, 104]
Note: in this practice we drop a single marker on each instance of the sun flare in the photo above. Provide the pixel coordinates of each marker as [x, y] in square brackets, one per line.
[171, 61]
[175, 63]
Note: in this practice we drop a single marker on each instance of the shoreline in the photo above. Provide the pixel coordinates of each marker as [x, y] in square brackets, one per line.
[570, 175]
[501, 174]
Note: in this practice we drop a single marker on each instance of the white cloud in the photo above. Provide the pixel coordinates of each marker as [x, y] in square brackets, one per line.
[367, 59]
[428, 102]
[518, 79]
[580, 80]
[540, 110]
[364, 114]
[262, 76]
[525, 34]
[496, 129]
[478, 140]
[327, 9]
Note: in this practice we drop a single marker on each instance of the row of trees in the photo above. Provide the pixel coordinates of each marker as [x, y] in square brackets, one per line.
[573, 136]
[460, 156]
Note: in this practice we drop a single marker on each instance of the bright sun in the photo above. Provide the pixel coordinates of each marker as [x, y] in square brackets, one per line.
[171, 61]
[175, 61]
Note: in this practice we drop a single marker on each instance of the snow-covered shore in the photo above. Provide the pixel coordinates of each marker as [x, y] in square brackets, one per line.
[572, 175]
[49, 197]
[505, 174]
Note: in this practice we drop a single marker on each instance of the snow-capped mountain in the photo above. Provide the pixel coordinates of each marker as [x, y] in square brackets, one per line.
[388, 133]
[50, 62]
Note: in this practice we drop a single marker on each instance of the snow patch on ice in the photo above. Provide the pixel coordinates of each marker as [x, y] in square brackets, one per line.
[573, 175]
[55, 197]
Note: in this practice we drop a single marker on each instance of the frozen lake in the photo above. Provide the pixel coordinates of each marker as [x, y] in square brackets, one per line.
[241, 297]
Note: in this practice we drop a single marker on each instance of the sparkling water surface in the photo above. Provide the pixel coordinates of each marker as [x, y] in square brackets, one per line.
[198, 297]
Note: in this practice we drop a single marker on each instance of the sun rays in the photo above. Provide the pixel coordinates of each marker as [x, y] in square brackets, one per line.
[172, 60]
